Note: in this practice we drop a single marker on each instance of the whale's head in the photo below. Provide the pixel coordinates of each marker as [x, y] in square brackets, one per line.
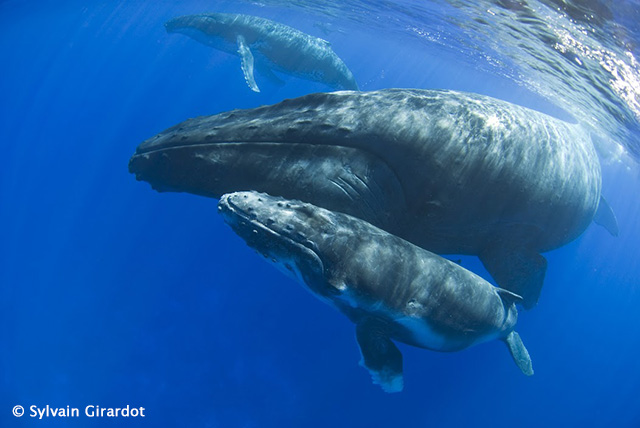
[287, 150]
[201, 22]
[284, 232]
[210, 28]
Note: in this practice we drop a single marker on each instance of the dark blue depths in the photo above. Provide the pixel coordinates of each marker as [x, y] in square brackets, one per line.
[113, 294]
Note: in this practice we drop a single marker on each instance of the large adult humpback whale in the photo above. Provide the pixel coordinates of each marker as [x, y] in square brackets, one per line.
[448, 171]
[389, 288]
[270, 44]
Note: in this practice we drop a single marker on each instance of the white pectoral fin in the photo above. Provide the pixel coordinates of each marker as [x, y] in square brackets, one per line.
[247, 63]
[380, 356]
[519, 353]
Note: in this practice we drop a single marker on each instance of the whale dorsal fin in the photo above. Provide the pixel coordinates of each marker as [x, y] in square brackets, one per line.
[508, 296]
[606, 218]
[519, 353]
[380, 355]
[247, 63]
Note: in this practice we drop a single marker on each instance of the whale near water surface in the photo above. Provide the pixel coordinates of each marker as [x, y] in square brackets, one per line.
[267, 45]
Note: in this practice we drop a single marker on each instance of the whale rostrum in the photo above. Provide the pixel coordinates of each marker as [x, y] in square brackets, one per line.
[390, 288]
[267, 45]
[452, 172]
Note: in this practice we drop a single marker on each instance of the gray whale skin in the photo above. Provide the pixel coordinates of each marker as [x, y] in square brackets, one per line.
[388, 287]
[452, 172]
[264, 44]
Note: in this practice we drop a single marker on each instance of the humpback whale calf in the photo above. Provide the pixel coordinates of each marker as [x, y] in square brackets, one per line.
[389, 288]
[452, 172]
[266, 45]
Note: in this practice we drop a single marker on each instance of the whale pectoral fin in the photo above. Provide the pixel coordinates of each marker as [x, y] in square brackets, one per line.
[380, 356]
[247, 63]
[519, 353]
[606, 218]
[518, 270]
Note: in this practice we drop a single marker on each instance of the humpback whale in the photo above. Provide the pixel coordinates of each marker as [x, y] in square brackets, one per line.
[389, 288]
[264, 44]
[452, 172]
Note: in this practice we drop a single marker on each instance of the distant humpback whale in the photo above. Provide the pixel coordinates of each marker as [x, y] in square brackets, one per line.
[389, 288]
[265, 44]
[451, 172]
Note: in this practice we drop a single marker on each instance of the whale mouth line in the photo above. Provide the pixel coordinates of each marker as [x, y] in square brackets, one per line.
[165, 150]
[141, 151]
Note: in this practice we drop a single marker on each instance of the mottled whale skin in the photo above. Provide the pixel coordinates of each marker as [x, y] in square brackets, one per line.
[390, 288]
[264, 44]
[452, 172]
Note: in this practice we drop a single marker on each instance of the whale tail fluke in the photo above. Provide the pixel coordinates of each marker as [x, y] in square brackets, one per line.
[380, 356]
[519, 353]
[606, 218]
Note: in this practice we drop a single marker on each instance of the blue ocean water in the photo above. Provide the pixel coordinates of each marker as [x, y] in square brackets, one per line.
[112, 294]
